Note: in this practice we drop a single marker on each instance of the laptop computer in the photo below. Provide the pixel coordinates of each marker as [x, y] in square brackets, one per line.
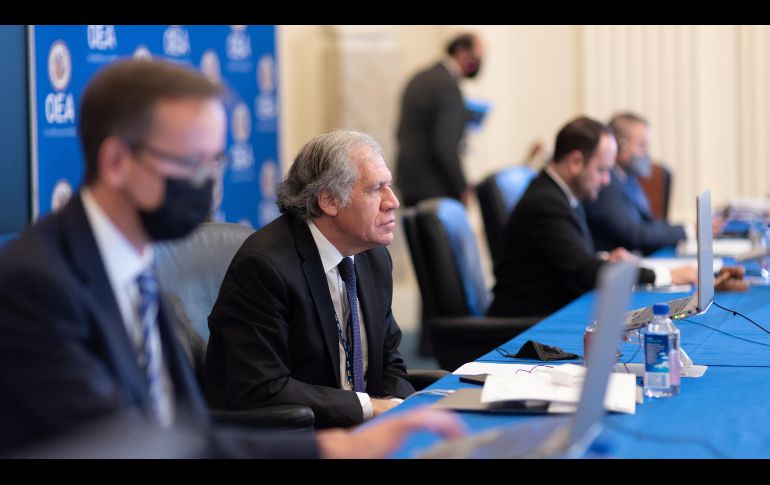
[699, 301]
[562, 436]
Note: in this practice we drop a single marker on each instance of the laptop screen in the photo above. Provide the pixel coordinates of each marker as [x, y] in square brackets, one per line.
[705, 252]
[615, 282]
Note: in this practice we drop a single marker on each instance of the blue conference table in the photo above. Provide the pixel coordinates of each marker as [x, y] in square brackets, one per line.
[724, 414]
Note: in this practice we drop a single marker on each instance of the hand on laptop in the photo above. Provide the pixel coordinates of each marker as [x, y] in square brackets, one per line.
[684, 275]
[380, 438]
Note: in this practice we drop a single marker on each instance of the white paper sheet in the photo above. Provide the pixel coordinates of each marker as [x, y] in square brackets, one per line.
[540, 385]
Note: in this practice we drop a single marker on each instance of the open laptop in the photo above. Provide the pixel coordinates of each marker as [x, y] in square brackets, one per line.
[704, 294]
[562, 436]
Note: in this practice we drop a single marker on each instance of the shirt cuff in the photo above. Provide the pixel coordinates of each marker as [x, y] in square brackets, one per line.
[366, 404]
[662, 274]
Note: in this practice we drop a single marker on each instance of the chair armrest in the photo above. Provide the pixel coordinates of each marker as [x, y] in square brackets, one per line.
[289, 416]
[422, 378]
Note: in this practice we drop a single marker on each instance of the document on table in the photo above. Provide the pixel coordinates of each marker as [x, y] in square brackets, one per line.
[550, 384]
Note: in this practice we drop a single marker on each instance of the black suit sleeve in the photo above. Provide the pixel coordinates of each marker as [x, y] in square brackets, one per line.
[253, 324]
[560, 244]
[48, 360]
[449, 121]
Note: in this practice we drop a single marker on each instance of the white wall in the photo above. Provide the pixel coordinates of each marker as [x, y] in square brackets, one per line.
[704, 89]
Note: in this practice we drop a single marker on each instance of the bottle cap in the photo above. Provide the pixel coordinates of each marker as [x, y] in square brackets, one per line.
[660, 309]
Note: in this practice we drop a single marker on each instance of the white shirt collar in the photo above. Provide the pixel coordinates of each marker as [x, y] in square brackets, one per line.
[330, 256]
[573, 201]
[121, 260]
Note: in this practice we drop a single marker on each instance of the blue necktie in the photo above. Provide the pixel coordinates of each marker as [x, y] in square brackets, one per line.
[150, 359]
[348, 273]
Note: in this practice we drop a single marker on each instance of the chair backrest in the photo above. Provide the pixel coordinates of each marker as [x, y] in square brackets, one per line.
[446, 259]
[191, 270]
[498, 194]
[658, 189]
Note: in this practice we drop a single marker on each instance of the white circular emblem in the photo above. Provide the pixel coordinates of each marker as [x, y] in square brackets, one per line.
[210, 66]
[59, 65]
[62, 192]
[266, 73]
[241, 123]
[267, 180]
[142, 52]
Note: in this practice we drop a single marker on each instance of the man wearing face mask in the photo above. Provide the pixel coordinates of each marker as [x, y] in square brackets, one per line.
[432, 125]
[84, 335]
[621, 215]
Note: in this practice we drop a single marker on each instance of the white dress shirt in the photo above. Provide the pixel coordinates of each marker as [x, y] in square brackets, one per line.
[123, 264]
[330, 258]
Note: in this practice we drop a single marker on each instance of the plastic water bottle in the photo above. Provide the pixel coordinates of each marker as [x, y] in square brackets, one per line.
[764, 262]
[660, 346]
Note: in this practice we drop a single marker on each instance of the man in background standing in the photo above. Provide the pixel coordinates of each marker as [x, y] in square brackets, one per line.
[432, 125]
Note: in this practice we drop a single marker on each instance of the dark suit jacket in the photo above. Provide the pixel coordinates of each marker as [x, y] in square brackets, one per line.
[616, 220]
[65, 357]
[273, 335]
[547, 260]
[433, 118]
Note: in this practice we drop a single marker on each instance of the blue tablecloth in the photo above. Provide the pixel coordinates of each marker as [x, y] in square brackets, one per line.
[725, 413]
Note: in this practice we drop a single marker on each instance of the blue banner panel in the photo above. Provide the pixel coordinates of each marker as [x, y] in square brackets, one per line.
[240, 57]
[14, 131]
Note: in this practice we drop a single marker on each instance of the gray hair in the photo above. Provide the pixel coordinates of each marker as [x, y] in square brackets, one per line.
[325, 162]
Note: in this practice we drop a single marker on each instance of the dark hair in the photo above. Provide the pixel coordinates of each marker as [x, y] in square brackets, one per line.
[619, 123]
[582, 134]
[462, 41]
[121, 98]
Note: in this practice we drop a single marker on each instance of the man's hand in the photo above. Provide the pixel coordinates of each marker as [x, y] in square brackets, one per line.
[379, 406]
[717, 225]
[381, 438]
[684, 275]
[618, 255]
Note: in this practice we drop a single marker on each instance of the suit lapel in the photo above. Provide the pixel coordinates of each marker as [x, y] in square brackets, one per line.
[578, 215]
[87, 263]
[312, 268]
[370, 309]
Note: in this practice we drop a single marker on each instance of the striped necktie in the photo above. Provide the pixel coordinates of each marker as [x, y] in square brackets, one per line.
[150, 358]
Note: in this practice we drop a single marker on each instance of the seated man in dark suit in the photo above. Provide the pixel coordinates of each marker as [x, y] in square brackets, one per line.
[84, 336]
[548, 257]
[303, 314]
[621, 215]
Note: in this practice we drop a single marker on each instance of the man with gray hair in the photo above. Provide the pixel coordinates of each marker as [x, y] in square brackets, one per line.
[303, 315]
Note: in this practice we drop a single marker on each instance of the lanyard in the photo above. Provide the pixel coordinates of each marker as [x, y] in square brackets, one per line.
[346, 348]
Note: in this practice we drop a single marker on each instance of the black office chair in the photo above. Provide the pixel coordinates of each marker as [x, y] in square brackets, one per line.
[454, 296]
[190, 272]
[498, 194]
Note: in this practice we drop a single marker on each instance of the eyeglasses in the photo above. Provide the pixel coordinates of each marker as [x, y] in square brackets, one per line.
[197, 169]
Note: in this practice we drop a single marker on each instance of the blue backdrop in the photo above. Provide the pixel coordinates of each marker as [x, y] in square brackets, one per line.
[241, 57]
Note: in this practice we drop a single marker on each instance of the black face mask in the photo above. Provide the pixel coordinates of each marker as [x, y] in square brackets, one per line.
[184, 207]
[473, 69]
